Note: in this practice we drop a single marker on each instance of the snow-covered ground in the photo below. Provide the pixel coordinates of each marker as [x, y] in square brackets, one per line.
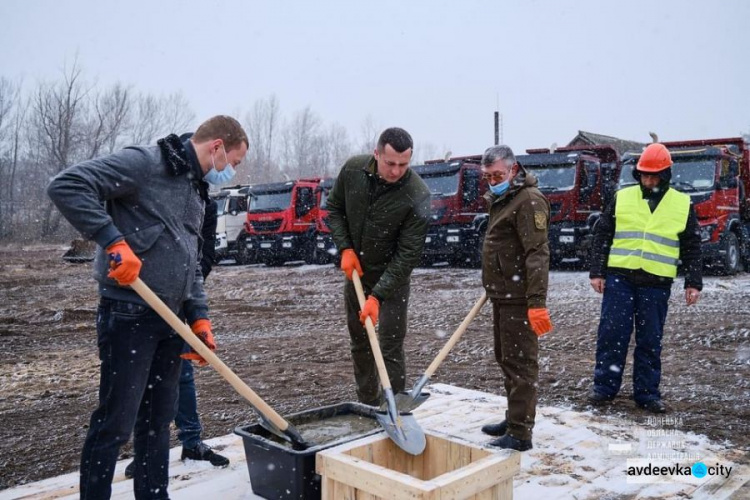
[576, 455]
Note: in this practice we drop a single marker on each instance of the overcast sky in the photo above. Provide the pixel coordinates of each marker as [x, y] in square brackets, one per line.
[437, 68]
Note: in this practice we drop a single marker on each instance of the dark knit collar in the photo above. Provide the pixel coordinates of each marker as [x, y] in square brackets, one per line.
[181, 159]
[174, 154]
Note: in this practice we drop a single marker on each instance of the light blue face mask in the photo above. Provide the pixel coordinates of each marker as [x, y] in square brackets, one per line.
[216, 177]
[500, 188]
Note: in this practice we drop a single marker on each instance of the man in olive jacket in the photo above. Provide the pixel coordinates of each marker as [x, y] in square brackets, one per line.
[515, 271]
[379, 212]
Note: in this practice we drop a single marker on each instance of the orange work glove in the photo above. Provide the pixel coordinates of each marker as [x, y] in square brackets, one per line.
[371, 310]
[539, 321]
[350, 262]
[202, 329]
[123, 263]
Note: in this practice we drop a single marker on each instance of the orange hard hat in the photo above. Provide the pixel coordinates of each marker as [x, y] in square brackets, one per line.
[655, 158]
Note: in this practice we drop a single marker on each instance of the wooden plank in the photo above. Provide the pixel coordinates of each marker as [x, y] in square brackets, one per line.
[415, 465]
[436, 460]
[478, 453]
[504, 490]
[374, 479]
[396, 457]
[485, 495]
[361, 495]
[327, 487]
[343, 491]
[478, 476]
[379, 452]
[459, 455]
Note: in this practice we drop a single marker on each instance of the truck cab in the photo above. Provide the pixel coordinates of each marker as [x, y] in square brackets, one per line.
[281, 220]
[230, 218]
[456, 199]
[578, 181]
[715, 174]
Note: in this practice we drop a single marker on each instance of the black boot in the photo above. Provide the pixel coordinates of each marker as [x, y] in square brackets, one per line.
[130, 470]
[496, 429]
[511, 443]
[204, 452]
[597, 398]
[654, 406]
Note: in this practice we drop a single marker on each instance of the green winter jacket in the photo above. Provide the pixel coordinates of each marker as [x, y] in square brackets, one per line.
[515, 254]
[385, 224]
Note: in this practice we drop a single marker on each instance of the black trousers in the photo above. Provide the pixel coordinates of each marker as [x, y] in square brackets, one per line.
[391, 330]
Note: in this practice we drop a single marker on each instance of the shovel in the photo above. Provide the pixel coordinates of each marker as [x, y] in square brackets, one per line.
[402, 428]
[409, 401]
[270, 420]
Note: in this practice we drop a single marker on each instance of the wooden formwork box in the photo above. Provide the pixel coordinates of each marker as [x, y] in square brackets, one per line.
[374, 468]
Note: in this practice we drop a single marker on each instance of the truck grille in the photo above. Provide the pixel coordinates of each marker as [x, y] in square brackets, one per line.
[267, 226]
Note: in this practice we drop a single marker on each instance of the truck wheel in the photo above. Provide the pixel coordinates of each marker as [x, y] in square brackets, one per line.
[730, 262]
[242, 257]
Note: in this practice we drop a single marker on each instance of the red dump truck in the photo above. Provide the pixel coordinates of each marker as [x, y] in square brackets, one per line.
[456, 200]
[578, 181]
[281, 220]
[716, 175]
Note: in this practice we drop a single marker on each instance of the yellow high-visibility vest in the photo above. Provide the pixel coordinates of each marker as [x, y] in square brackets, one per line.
[645, 240]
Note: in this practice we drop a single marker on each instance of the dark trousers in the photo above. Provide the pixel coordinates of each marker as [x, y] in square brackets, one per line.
[517, 352]
[391, 329]
[623, 306]
[187, 421]
[140, 368]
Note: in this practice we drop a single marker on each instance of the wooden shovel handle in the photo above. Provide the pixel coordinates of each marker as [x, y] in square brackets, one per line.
[372, 336]
[456, 335]
[186, 333]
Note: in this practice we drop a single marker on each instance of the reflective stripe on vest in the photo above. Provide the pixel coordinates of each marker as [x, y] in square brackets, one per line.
[645, 240]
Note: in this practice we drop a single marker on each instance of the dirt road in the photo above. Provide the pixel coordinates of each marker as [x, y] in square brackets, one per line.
[283, 331]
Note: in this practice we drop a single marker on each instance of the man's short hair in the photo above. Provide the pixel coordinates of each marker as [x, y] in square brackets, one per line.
[221, 127]
[398, 138]
[496, 153]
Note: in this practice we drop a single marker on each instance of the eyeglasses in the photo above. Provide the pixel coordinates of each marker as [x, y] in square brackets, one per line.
[495, 176]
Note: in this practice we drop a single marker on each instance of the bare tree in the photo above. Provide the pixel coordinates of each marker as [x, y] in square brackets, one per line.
[17, 130]
[262, 125]
[299, 140]
[57, 119]
[369, 133]
[108, 120]
[155, 117]
[9, 99]
[340, 148]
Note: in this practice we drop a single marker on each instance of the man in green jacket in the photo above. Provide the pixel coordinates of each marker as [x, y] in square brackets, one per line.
[515, 272]
[378, 214]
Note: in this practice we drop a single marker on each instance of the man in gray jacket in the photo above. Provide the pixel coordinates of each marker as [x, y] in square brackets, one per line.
[144, 207]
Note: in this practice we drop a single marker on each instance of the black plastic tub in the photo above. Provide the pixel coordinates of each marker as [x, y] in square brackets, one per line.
[279, 472]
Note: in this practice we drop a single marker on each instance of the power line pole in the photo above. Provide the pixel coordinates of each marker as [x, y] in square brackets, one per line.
[497, 128]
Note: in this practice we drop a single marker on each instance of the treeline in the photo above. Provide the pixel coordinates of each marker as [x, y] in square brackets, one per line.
[48, 126]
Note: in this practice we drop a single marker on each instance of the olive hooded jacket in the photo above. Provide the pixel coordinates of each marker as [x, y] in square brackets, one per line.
[385, 224]
[515, 254]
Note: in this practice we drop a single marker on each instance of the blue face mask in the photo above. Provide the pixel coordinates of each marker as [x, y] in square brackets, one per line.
[216, 177]
[500, 188]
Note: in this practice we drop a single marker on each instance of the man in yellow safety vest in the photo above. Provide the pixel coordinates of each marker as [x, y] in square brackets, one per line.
[638, 243]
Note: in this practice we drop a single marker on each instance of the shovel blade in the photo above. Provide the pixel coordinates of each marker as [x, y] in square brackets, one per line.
[291, 434]
[404, 431]
[406, 403]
